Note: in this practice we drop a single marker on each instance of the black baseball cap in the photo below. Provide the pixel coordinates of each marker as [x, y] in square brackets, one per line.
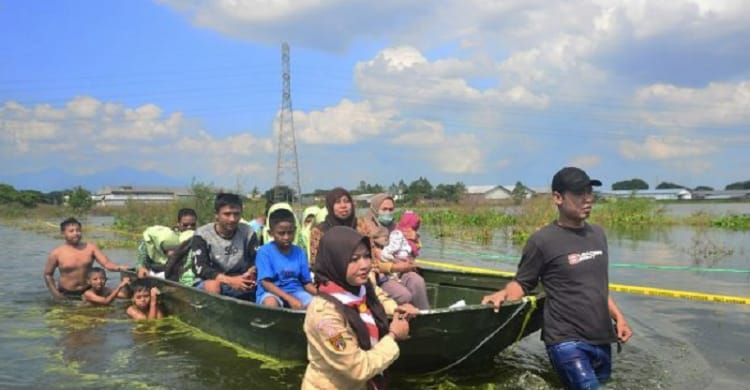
[572, 179]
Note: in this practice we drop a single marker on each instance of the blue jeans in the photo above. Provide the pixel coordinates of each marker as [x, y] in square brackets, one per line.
[581, 365]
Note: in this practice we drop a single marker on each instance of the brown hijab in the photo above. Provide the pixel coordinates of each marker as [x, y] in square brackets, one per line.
[331, 219]
[371, 215]
[334, 255]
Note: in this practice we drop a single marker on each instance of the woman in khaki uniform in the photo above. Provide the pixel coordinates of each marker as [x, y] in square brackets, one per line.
[349, 341]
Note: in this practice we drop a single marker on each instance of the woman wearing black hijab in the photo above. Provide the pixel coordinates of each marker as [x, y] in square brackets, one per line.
[340, 208]
[349, 340]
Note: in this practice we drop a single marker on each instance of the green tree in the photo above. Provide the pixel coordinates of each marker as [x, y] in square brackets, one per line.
[449, 192]
[30, 198]
[287, 194]
[8, 193]
[361, 188]
[54, 197]
[320, 192]
[519, 192]
[204, 196]
[630, 185]
[740, 185]
[365, 188]
[665, 185]
[79, 199]
[704, 188]
[393, 189]
[402, 187]
[418, 189]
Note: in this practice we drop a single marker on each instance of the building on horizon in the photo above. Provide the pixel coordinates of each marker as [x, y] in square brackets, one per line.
[119, 195]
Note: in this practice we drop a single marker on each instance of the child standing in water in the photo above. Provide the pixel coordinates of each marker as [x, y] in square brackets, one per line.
[98, 293]
[145, 303]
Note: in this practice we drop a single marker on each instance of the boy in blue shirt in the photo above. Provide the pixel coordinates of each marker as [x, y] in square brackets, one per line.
[283, 271]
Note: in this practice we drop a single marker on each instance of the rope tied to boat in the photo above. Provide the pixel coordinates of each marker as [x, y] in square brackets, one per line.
[525, 302]
[527, 317]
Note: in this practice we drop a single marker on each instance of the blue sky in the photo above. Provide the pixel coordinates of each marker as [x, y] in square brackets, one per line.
[473, 91]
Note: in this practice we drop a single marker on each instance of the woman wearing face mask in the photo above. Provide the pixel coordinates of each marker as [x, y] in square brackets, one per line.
[398, 279]
[349, 341]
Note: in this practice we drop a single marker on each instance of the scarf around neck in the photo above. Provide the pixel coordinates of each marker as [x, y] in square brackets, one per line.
[357, 302]
[334, 256]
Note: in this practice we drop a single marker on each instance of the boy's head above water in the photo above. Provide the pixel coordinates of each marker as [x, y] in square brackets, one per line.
[96, 278]
[141, 295]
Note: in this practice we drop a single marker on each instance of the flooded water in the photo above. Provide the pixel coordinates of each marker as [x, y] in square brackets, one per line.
[678, 344]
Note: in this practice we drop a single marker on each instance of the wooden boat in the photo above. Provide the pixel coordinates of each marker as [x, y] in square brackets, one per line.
[440, 339]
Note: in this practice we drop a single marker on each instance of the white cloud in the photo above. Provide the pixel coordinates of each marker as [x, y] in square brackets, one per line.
[718, 104]
[650, 18]
[693, 166]
[403, 78]
[665, 148]
[235, 155]
[586, 162]
[97, 136]
[458, 154]
[346, 123]
[47, 112]
[448, 153]
[456, 81]
[424, 133]
[20, 127]
[262, 11]
[83, 107]
[404, 75]
[328, 24]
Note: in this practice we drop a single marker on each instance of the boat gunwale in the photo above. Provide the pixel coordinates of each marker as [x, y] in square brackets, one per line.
[433, 311]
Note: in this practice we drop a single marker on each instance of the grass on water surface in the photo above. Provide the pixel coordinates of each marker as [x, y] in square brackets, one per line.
[473, 222]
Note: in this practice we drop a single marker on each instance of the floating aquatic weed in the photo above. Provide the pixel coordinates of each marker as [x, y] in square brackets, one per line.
[706, 252]
[733, 222]
[266, 362]
[525, 381]
[122, 358]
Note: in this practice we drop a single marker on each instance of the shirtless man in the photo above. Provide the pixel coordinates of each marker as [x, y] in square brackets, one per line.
[73, 258]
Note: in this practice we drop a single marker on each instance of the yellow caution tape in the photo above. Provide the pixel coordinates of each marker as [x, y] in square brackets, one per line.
[624, 288]
[465, 268]
[695, 296]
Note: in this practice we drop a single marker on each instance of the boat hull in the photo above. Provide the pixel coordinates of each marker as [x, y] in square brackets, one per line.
[440, 339]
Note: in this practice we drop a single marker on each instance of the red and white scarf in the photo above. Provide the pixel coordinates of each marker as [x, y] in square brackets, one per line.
[357, 302]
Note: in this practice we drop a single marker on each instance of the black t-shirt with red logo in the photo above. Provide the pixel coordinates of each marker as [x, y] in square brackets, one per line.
[572, 264]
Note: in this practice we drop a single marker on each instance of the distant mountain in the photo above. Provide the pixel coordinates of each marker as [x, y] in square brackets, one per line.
[56, 179]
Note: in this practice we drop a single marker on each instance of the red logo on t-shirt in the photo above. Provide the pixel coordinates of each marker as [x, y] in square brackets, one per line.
[574, 258]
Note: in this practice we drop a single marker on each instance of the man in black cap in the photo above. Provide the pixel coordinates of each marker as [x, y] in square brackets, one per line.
[570, 257]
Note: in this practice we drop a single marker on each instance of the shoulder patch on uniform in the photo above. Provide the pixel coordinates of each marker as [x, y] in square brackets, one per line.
[337, 342]
[326, 328]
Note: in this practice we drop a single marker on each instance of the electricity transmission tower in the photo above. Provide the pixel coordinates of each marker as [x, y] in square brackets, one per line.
[287, 169]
